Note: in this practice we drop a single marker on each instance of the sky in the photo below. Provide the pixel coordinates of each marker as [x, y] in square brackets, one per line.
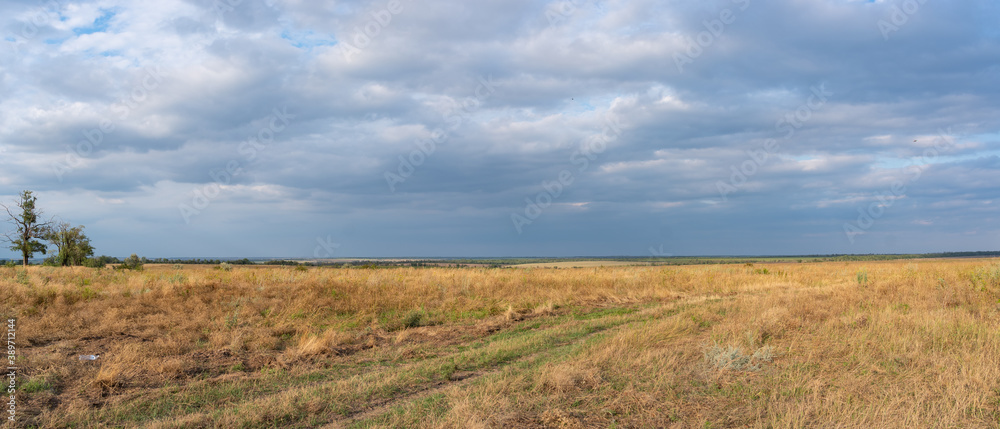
[265, 128]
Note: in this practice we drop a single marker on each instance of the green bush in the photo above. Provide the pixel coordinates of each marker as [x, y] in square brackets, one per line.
[225, 266]
[131, 263]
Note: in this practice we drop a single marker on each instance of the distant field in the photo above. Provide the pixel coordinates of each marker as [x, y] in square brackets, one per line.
[835, 344]
[581, 264]
[172, 267]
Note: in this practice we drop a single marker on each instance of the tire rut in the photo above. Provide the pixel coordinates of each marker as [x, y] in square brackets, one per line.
[463, 379]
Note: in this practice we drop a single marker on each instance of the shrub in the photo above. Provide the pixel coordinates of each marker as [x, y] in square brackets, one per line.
[103, 261]
[131, 263]
[225, 266]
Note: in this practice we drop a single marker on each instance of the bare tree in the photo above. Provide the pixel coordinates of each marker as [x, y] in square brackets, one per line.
[28, 228]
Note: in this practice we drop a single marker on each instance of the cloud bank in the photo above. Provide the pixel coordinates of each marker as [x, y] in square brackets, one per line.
[576, 127]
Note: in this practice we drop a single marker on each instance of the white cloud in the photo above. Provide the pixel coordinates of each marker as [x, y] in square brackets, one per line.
[683, 132]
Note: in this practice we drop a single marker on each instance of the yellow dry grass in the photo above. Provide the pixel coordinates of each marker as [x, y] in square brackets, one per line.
[581, 264]
[859, 344]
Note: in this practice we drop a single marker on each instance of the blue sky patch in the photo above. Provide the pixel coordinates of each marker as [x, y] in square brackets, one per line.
[100, 24]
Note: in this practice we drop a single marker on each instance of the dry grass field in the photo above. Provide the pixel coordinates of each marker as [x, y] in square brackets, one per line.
[582, 264]
[860, 344]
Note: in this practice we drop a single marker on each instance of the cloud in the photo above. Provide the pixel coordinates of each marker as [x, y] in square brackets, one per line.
[185, 88]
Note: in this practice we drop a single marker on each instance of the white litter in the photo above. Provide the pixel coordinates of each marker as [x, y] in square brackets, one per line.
[89, 357]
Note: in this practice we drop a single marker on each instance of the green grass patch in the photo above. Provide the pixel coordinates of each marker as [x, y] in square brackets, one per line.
[35, 385]
[604, 312]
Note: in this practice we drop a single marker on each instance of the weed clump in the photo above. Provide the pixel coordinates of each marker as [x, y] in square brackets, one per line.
[323, 343]
[22, 277]
[545, 309]
[733, 358]
[986, 277]
[36, 384]
[415, 319]
[862, 277]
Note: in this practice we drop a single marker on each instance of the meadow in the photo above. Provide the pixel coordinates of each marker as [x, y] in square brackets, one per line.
[776, 345]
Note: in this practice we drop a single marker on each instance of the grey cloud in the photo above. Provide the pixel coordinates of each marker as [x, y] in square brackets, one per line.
[683, 130]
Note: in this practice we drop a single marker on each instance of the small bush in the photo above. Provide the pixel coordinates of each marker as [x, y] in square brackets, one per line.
[863, 277]
[100, 261]
[131, 263]
[301, 268]
[225, 266]
[10, 264]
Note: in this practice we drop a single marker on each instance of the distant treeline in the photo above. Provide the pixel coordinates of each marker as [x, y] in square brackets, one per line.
[697, 260]
[502, 262]
[990, 254]
[104, 260]
[243, 261]
[674, 260]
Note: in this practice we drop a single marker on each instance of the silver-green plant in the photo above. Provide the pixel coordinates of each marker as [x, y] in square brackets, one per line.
[733, 358]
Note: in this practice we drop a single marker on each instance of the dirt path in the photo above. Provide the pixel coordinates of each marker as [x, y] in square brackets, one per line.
[457, 381]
